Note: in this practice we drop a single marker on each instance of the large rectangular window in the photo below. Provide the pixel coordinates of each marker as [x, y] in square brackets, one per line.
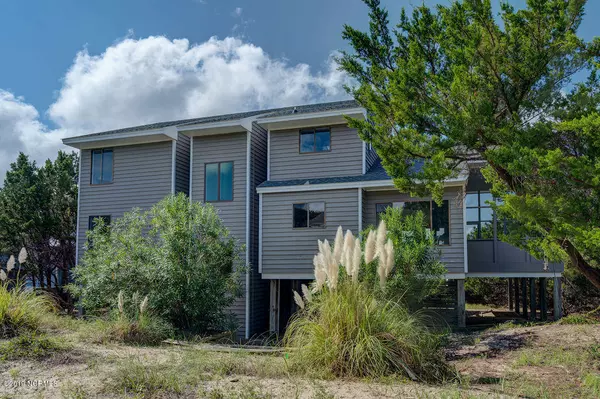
[437, 218]
[315, 140]
[102, 166]
[480, 216]
[218, 181]
[311, 214]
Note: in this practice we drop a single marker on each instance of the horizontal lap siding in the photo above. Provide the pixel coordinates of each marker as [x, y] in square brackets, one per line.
[451, 255]
[344, 159]
[142, 177]
[182, 165]
[224, 148]
[288, 251]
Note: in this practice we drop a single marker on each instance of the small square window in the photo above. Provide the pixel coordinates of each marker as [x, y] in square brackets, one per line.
[379, 209]
[315, 140]
[310, 214]
[102, 166]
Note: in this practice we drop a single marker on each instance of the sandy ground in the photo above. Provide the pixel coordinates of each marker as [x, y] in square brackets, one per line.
[88, 370]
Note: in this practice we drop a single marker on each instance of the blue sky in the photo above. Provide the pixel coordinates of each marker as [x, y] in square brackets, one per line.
[58, 78]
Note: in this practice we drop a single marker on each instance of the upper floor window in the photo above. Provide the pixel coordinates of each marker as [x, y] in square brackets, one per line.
[315, 140]
[218, 181]
[480, 216]
[93, 221]
[437, 218]
[311, 214]
[102, 166]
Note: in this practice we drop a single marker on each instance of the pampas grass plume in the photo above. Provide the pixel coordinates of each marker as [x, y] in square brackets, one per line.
[370, 248]
[306, 293]
[10, 264]
[144, 305]
[338, 246]
[298, 300]
[120, 301]
[23, 255]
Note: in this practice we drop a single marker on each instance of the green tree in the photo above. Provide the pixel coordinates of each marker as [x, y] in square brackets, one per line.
[458, 85]
[179, 254]
[38, 211]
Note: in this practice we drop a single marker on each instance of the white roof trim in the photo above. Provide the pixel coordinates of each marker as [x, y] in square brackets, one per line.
[154, 135]
[230, 126]
[340, 186]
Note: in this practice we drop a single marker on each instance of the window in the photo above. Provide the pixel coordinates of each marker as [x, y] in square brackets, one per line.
[218, 181]
[315, 140]
[379, 209]
[93, 221]
[310, 214]
[480, 216]
[437, 218]
[102, 166]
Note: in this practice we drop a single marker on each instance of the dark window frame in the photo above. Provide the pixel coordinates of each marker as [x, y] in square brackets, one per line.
[480, 205]
[219, 181]
[106, 218]
[308, 226]
[102, 151]
[377, 214]
[430, 224]
[314, 131]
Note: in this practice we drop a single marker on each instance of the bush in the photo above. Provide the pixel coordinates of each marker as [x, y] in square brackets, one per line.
[132, 323]
[179, 254]
[418, 272]
[20, 310]
[348, 327]
[29, 345]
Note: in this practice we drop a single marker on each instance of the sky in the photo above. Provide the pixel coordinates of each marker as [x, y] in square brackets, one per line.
[73, 67]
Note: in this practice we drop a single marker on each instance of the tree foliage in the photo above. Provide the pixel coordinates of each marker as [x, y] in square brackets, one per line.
[38, 211]
[179, 254]
[458, 86]
[418, 272]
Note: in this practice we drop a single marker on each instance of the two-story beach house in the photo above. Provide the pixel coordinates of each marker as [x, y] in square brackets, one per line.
[283, 178]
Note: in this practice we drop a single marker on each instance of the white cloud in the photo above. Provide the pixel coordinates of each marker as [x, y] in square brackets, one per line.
[237, 12]
[138, 81]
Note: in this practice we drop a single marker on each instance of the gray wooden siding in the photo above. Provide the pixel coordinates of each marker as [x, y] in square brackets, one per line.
[371, 157]
[182, 165]
[142, 177]
[344, 159]
[451, 255]
[224, 148]
[259, 288]
[289, 252]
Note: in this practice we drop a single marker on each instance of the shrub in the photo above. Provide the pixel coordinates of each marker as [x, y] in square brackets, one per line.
[133, 323]
[30, 345]
[418, 272]
[346, 327]
[21, 310]
[179, 254]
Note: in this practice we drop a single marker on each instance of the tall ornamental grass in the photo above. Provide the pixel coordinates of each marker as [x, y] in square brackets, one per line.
[347, 327]
[20, 310]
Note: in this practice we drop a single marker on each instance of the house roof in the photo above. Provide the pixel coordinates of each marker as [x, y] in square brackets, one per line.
[301, 109]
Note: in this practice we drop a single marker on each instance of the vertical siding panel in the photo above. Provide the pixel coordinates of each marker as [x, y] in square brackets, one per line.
[182, 165]
[259, 289]
[344, 159]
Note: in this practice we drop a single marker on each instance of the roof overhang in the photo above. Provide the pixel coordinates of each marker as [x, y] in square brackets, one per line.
[121, 139]
[367, 185]
[296, 121]
[224, 127]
